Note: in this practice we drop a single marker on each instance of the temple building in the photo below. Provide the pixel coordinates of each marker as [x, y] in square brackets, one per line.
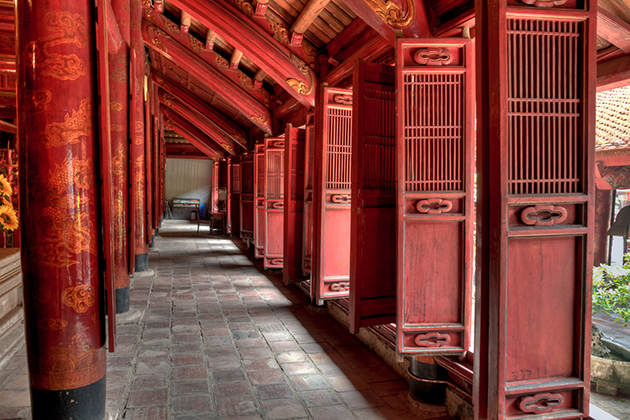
[424, 171]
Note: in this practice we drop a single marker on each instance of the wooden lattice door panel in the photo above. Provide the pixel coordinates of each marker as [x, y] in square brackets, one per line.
[373, 246]
[536, 190]
[309, 149]
[274, 202]
[259, 200]
[247, 197]
[234, 193]
[293, 204]
[331, 194]
[435, 174]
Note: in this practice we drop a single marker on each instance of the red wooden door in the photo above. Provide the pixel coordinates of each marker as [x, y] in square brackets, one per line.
[259, 201]
[247, 197]
[274, 202]
[435, 173]
[536, 195]
[307, 244]
[228, 201]
[331, 194]
[373, 233]
[235, 197]
[293, 203]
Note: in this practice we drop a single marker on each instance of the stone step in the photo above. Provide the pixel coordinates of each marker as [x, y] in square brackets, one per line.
[11, 335]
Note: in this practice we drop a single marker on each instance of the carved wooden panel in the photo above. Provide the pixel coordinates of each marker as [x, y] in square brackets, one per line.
[234, 194]
[293, 204]
[247, 197]
[537, 195]
[331, 194]
[259, 200]
[274, 202]
[435, 172]
[373, 215]
[309, 149]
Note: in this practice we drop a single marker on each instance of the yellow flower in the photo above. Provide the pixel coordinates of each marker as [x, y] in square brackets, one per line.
[5, 186]
[8, 218]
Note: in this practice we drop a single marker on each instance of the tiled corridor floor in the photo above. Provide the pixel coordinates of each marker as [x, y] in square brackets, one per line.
[220, 338]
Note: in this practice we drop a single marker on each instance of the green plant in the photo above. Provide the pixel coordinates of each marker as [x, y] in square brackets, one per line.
[611, 290]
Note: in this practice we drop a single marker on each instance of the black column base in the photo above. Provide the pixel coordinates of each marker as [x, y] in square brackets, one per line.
[122, 300]
[152, 243]
[86, 403]
[142, 262]
[157, 231]
[426, 382]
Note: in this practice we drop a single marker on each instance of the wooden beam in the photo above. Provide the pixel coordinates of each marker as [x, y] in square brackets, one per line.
[191, 133]
[373, 51]
[208, 127]
[194, 102]
[613, 74]
[285, 68]
[613, 29]
[186, 20]
[236, 59]
[258, 79]
[310, 12]
[210, 38]
[184, 151]
[8, 127]
[160, 42]
[113, 32]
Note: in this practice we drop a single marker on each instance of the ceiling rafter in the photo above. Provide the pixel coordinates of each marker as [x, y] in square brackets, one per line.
[310, 12]
[180, 125]
[613, 29]
[280, 64]
[186, 21]
[234, 95]
[190, 99]
[210, 128]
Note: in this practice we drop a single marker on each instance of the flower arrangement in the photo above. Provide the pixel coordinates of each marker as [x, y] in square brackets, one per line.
[8, 218]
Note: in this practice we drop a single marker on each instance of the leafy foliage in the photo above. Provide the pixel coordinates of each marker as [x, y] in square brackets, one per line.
[611, 290]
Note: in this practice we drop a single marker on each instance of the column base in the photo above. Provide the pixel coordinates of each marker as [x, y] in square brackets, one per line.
[425, 381]
[142, 262]
[152, 243]
[122, 300]
[86, 403]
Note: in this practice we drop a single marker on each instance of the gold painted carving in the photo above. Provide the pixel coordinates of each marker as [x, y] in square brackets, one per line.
[258, 120]
[170, 25]
[71, 129]
[117, 128]
[119, 70]
[156, 33]
[52, 324]
[245, 7]
[65, 28]
[196, 45]
[114, 105]
[221, 62]
[74, 366]
[246, 81]
[280, 33]
[119, 162]
[41, 295]
[392, 13]
[168, 99]
[41, 97]
[297, 85]
[79, 298]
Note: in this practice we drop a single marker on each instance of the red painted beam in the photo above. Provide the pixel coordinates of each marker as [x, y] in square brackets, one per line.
[8, 127]
[613, 29]
[274, 59]
[184, 151]
[207, 126]
[162, 43]
[197, 142]
[373, 51]
[115, 41]
[194, 102]
[613, 73]
[207, 143]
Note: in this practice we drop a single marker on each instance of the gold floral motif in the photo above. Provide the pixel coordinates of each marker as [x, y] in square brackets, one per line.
[94, 318]
[119, 162]
[41, 97]
[258, 120]
[117, 128]
[280, 33]
[168, 100]
[170, 25]
[301, 87]
[41, 295]
[265, 97]
[246, 81]
[71, 129]
[221, 62]
[245, 7]
[114, 105]
[79, 298]
[392, 13]
[119, 68]
[239, 139]
[74, 366]
[139, 127]
[65, 28]
[156, 33]
[52, 324]
[195, 43]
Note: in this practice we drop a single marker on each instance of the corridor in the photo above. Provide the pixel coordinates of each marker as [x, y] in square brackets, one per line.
[221, 338]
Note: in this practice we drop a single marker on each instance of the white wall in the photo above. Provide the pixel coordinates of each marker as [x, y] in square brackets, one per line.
[188, 178]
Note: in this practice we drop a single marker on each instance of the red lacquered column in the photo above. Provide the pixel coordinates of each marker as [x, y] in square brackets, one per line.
[60, 209]
[119, 114]
[138, 142]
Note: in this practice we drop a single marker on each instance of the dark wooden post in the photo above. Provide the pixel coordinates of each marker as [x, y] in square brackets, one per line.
[119, 109]
[536, 107]
[60, 209]
[603, 212]
[138, 158]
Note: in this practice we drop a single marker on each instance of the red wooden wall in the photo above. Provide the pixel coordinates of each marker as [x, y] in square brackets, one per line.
[293, 204]
[274, 202]
[536, 150]
[330, 271]
[247, 197]
[259, 200]
[373, 215]
[435, 172]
